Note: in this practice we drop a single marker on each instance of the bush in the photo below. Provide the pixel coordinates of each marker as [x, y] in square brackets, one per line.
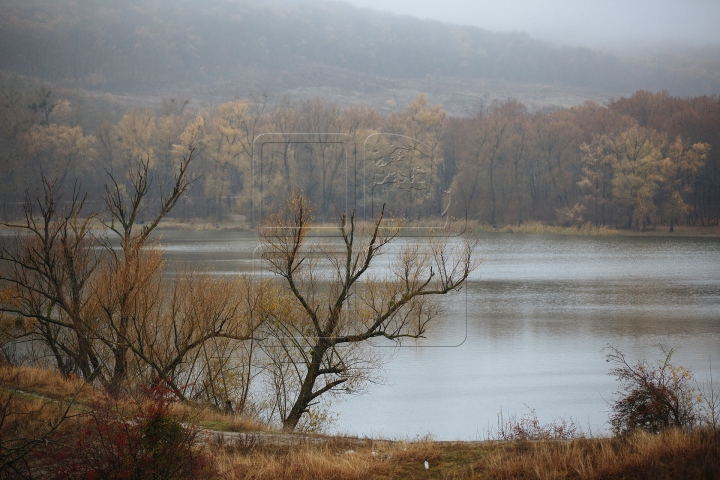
[653, 397]
[148, 443]
[528, 427]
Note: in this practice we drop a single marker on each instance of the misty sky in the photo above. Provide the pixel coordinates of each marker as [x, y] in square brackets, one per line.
[597, 23]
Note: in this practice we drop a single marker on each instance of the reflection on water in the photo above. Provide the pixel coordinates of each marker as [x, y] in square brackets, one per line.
[531, 327]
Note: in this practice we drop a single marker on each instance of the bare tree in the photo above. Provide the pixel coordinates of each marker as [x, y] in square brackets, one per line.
[130, 270]
[46, 275]
[109, 314]
[165, 324]
[325, 318]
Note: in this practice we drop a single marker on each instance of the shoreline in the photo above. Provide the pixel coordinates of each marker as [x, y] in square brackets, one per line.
[197, 224]
[528, 228]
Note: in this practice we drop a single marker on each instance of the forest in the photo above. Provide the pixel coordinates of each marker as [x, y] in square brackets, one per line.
[637, 162]
[333, 94]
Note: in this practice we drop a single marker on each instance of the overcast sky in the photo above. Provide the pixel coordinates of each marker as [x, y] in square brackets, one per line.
[597, 23]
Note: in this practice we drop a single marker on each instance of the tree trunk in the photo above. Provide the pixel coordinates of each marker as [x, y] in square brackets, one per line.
[305, 396]
[119, 371]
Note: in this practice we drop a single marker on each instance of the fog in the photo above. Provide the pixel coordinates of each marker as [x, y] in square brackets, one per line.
[611, 24]
[347, 53]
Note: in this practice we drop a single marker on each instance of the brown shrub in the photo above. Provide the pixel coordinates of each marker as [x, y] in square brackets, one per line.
[672, 454]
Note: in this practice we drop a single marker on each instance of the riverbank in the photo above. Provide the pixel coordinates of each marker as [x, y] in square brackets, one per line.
[673, 454]
[239, 223]
[597, 231]
[243, 449]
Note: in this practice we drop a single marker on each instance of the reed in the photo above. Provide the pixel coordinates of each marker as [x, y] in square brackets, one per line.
[535, 227]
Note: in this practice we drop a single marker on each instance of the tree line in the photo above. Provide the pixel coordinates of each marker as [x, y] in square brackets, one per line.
[644, 160]
[637, 162]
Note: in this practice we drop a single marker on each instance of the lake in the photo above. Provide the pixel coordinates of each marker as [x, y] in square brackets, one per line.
[528, 331]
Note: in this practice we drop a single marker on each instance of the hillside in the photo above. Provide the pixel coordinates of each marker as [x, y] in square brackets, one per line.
[228, 48]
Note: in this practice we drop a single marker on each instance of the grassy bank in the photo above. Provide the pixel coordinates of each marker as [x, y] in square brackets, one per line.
[483, 228]
[42, 386]
[33, 398]
[542, 228]
[599, 231]
[673, 454]
[239, 223]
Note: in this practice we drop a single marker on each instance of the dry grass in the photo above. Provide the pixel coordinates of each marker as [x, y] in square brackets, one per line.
[29, 423]
[335, 458]
[45, 382]
[25, 416]
[260, 455]
[535, 227]
[214, 420]
[48, 383]
[674, 454]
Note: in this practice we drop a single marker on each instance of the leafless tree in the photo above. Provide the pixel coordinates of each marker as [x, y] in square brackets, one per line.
[334, 304]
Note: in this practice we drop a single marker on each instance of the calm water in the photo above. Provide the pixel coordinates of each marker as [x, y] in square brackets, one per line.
[529, 330]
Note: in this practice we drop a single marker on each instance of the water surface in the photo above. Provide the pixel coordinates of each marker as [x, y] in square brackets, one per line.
[529, 329]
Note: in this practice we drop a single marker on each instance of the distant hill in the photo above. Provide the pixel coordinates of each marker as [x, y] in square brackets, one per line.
[222, 48]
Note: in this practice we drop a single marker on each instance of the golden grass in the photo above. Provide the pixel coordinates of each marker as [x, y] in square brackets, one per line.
[48, 383]
[262, 455]
[214, 420]
[45, 382]
[27, 423]
[535, 227]
[333, 458]
[673, 454]
[28, 414]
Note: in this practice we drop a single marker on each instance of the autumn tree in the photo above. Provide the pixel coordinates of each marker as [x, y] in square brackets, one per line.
[505, 147]
[56, 151]
[637, 175]
[325, 319]
[695, 120]
[163, 326]
[319, 158]
[31, 141]
[680, 169]
[417, 140]
[224, 138]
[136, 132]
[488, 152]
[46, 276]
[597, 173]
[467, 143]
[110, 314]
[556, 139]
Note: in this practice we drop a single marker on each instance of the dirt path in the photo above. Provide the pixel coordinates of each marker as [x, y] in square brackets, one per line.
[253, 439]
